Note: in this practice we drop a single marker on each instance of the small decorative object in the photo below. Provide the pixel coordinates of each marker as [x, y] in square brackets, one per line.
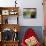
[15, 3]
[15, 30]
[7, 34]
[0, 12]
[5, 12]
[6, 21]
[15, 35]
[29, 12]
[13, 12]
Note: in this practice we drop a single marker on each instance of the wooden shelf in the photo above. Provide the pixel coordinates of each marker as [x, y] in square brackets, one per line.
[8, 8]
[11, 26]
[4, 13]
[9, 43]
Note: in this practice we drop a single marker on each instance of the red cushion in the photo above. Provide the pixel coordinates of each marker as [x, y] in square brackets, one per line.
[29, 33]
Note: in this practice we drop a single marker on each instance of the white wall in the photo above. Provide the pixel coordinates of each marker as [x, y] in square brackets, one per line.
[7, 3]
[27, 4]
[32, 4]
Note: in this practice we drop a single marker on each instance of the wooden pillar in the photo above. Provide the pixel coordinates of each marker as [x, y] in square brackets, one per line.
[44, 7]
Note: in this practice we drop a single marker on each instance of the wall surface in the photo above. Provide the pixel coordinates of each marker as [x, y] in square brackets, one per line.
[32, 4]
[7, 3]
[38, 21]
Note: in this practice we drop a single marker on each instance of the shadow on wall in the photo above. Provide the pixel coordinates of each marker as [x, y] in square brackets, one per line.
[37, 29]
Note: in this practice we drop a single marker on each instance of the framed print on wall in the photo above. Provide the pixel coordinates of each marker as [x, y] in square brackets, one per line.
[29, 12]
[5, 12]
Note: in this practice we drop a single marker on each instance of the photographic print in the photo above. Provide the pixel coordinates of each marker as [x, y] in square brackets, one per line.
[5, 12]
[29, 12]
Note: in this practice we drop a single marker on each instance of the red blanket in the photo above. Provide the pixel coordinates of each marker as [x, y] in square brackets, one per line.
[29, 33]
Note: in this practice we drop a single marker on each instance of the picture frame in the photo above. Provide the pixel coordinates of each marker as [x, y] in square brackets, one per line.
[5, 12]
[29, 12]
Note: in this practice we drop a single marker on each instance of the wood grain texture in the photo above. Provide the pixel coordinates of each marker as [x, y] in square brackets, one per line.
[10, 26]
[44, 10]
